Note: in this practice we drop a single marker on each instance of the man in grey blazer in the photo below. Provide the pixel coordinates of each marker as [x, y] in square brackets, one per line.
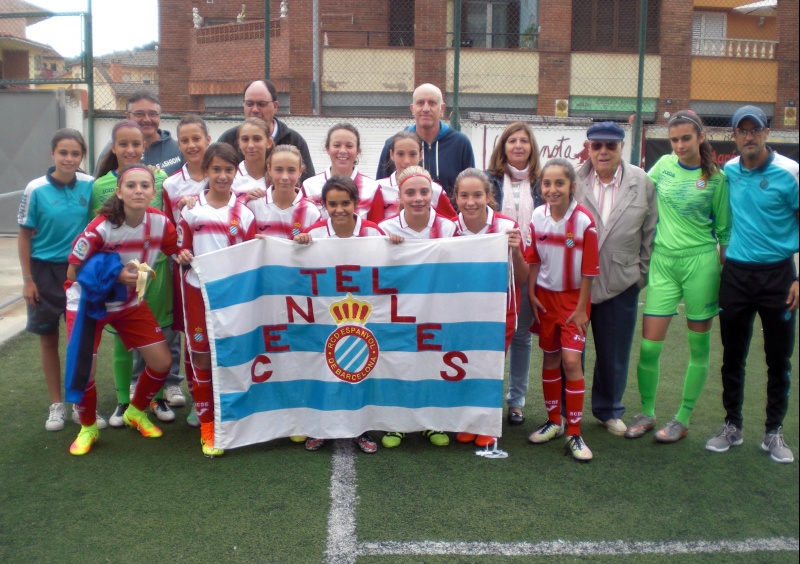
[622, 200]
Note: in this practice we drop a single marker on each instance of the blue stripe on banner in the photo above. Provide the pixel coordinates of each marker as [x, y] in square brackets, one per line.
[436, 278]
[391, 337]
[336, 396]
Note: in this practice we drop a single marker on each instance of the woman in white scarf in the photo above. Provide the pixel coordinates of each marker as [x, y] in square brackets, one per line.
[514, 170]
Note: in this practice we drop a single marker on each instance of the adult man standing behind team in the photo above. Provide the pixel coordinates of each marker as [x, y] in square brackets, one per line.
[160, 148]
[445, 151]
[758, 276]
[261, 101]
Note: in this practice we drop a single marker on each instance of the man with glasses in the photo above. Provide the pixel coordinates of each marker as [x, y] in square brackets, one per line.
[160, 148]
[759, 275]
[261, 101]
[622, 200]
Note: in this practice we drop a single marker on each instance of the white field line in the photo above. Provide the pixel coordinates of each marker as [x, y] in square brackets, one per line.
[579, 548]
[343, 546]
[342, 543]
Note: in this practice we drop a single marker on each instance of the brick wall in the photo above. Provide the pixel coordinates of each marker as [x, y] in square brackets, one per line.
[354, 23]
[300, 72]
[676, 63]
[430, 40]
[175, 27]
[555, 19]
[787, 56]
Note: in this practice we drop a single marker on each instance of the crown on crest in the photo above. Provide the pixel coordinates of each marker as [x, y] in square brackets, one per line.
[350, 310]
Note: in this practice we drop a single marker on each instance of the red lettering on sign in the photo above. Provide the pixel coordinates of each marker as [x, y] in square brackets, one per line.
[400, 318]
[271, 339]
[448, 359]
[292, 306]
[342, 278]
[423, 335]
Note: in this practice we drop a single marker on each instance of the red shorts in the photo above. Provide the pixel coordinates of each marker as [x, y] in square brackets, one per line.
[136, 327]
[195, 311]
[512, 310]
[554, 333]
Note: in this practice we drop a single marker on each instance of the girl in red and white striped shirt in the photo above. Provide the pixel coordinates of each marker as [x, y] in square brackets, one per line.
[217, 221]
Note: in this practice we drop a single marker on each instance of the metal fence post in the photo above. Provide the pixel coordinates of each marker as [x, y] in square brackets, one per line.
[636, 149]
[89, 70]
[267, 35]
[455, 122]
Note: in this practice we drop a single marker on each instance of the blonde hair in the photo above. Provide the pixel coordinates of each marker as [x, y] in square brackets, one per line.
[413, 171]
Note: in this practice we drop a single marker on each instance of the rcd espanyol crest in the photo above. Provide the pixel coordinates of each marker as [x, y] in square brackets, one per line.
[351, 351]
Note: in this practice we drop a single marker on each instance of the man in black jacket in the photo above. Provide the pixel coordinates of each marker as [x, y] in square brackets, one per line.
[261, 101]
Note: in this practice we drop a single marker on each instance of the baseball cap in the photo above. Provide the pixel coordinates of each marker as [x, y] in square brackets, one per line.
[605, 131]
[751, 112]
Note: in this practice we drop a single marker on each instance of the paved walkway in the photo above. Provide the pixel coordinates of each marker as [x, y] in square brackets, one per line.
[12, 307]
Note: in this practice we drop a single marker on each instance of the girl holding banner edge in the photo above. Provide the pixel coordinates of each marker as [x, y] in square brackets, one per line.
[339, 195]
[477, 216]
[218, 220]
[416, 220]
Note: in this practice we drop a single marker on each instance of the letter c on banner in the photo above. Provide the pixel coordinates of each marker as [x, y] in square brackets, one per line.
[258, 371]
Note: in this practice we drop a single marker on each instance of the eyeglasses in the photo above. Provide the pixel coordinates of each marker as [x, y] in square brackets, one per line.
[610, 145]
[261, 105]
[141, 115]
[756, 131]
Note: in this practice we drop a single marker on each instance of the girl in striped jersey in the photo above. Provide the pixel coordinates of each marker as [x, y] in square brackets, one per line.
[218, 221]
[255, 143]
[128, 226]
[477, 216]
[180, 189]
[564, 260]
[416, 220]
[339, 195]
[405, 149]
[127, 148]
[343, 145]
[283, 212]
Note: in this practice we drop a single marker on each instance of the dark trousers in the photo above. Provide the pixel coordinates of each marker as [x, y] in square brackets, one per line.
[613, 325]
[744, 291]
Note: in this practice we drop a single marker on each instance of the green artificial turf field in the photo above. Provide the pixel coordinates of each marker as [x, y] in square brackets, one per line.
[132, 498]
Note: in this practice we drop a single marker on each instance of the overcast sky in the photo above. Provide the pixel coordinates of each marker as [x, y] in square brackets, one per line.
[117, 25]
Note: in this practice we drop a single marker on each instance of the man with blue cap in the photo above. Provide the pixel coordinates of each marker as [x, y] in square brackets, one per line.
[759, 275]
[622, 200]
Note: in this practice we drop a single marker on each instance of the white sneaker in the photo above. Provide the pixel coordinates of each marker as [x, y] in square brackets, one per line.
[116, 420]
[131, 390]
[162, 411]
[76, 418]
[174, 396]
[57, 418]
[615, 426]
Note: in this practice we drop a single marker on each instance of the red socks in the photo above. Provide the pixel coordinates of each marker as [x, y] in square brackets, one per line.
[575, 393]
[87, 408]
[551, 390]
[147, 387]
[203, 395]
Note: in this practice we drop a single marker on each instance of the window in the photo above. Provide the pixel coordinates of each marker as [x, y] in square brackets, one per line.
[708, 33]
[401, 23]
[612, 26]
[490, 24]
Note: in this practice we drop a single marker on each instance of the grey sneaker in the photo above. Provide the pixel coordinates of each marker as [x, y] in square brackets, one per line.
[776, 447]
[729, 435]
[672, 432]
[641, 424]
[174, 396]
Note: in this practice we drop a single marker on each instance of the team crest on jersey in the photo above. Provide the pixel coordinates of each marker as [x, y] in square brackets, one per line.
[701, 184]
[570, 242]
[764, 184]
[180, 235]
[82, 201]
[296, 229]
[351, 351]
[234, 228]
[81, 248]
[146, 242]
[198, 334]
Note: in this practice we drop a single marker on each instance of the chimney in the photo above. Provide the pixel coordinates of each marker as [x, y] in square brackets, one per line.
[115, 71]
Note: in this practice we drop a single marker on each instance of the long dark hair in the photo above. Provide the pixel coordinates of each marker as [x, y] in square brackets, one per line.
[113, 207]
[708, 165]
[109, 161]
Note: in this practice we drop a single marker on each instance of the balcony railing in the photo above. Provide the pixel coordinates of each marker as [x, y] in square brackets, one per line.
[735, 48]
